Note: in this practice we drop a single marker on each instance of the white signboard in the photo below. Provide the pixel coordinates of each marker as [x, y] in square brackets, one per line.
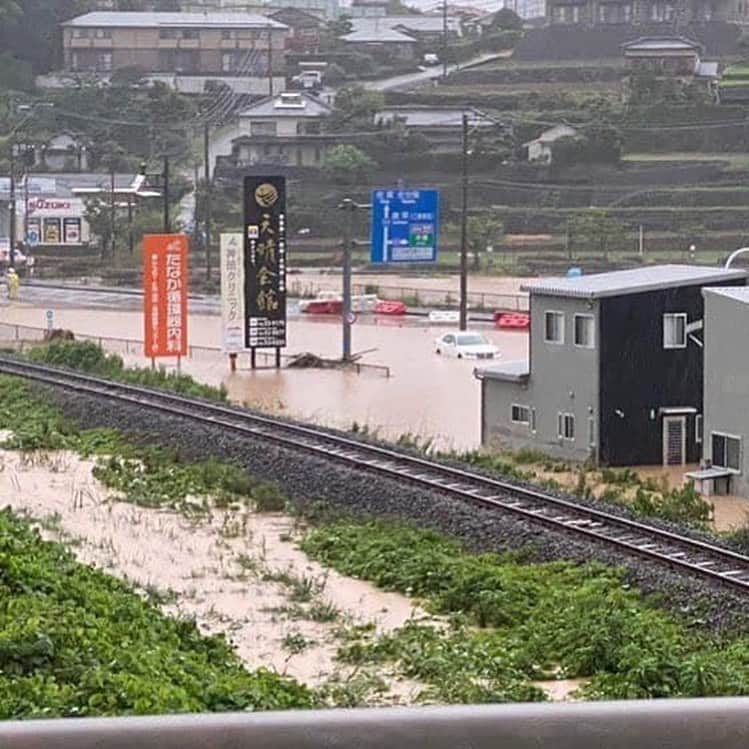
[232, 292]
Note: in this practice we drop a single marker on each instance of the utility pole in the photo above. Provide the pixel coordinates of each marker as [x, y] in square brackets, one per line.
[208, 206]
[130, 236]
[464, 230]
[444, 38]
[112, 210]
[167, 223]
[12, 253]
[349, 207]
[270, 62]
[26, 207]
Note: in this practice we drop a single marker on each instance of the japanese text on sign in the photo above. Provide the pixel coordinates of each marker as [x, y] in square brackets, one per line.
[165, 294]
[265, 262]
[405, 226]
[232, 292]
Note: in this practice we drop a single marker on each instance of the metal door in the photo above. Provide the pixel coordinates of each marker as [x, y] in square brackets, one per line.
[674, 440]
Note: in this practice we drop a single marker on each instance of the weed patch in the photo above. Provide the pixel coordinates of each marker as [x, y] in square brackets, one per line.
[77, 642]
[535, 622]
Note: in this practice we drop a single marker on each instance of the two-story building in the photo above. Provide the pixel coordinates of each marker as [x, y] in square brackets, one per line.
[283, 130]
[184, 49]
[726, 391]
[615, 372]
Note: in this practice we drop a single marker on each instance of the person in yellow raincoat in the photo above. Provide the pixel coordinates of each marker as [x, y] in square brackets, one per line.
[14, 282]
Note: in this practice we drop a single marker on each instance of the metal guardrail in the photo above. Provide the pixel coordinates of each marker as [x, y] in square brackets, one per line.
[657, 724]
[23, 335]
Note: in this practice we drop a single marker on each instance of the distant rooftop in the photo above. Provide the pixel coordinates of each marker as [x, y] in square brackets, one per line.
[511, 371]
[425, 116]
[384, 35]
[292, 104]
[635, 281]
[416, 24]
[653, 43]
[737, 293]
[172, 20]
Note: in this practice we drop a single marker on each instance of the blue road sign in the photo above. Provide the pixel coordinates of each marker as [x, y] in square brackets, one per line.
[405, 226]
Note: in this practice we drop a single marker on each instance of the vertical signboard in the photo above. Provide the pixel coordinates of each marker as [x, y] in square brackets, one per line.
[232, 292]
[265, 261]
[405, 225]
[165, 279]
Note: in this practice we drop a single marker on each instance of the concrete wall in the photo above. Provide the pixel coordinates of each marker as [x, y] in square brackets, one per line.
[727, 378]
[564, 379]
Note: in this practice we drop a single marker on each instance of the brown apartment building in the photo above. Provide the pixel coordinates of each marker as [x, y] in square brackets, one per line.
[197, 45]
[641, 12]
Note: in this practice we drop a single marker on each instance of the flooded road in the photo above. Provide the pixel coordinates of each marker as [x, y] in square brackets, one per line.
[426, 395]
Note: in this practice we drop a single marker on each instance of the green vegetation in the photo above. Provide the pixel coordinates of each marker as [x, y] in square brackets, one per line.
[87, 357]
[535, 622]
[77, 642]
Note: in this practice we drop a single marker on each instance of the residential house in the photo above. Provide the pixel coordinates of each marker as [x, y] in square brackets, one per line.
[441, 125]
[615, 371]
[541, 149]
[389, 43]
[185, 49]
[284, 129]
[324, 8]
[726, 392]
[598, 12]
[663, 55]
[427, 29]
[305, 29]
[368, 8]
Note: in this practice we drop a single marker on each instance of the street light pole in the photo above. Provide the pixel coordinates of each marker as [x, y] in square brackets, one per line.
[167, 222]
[208, 205]
[12, 247]
[464, 229]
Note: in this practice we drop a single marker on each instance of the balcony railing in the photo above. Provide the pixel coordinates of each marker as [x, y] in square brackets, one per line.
[657, 724]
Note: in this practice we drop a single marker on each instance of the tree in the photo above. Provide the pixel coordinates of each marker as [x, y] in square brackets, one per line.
[347, 164]
[355, 107]
[482, 232]
[506, 19]
[339, 27]
[399, 8]
[594, 228]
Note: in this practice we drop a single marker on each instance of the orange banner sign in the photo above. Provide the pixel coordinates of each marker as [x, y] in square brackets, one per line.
[165, 280]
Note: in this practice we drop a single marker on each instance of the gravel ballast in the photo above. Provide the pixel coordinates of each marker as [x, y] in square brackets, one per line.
[308, 479]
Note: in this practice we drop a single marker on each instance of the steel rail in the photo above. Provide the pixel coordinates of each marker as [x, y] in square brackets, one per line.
[679, 552]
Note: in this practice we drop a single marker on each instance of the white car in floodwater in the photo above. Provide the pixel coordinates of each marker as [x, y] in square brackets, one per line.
[466, 345]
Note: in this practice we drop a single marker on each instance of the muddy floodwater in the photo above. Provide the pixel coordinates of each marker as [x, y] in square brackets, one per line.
[426, 394]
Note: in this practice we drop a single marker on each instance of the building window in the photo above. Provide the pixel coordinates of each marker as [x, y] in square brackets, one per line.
[80, 33]
[698, 429]
[585, 329]
[727, 452]
[104, 62]
[190, 34]
[554, 327]
[533, 420]
[167, 33]
[103, 34]
[226, 34]
[566, 426]
[675, 330]
[521, 414]
[262, 128]
[591, 431]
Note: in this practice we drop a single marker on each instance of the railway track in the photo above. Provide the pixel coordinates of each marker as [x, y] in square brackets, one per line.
[681, 553]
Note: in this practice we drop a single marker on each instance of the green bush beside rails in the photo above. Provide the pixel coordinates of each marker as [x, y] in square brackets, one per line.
[85, 356]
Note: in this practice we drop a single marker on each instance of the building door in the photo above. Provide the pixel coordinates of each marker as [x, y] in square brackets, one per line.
[674, 440]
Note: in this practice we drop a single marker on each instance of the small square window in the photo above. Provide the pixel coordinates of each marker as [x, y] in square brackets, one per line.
[554, 327]
[585, 327]
[520, 414]
[675, 330]
[698, 429]
[566, 426]
[726, 452]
